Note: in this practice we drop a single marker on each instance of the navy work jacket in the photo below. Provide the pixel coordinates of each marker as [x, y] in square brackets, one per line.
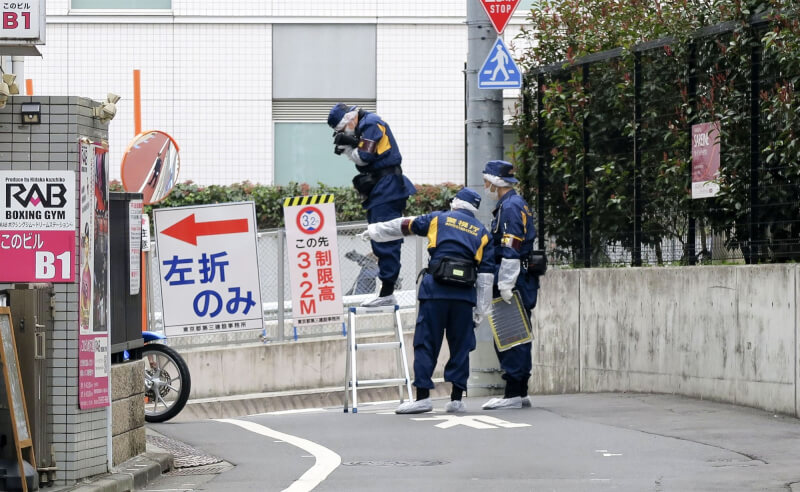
[378, 148]
[455, 234]
[513, 234]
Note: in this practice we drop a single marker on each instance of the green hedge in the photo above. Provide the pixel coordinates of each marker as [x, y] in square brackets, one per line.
[269, 199]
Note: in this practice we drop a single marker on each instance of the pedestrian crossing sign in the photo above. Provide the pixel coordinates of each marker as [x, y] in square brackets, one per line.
[499, 70]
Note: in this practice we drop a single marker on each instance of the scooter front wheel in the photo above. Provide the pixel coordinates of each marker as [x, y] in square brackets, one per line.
[166, 382]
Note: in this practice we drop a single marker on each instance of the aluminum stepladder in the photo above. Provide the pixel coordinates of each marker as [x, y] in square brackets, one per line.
[351, 382]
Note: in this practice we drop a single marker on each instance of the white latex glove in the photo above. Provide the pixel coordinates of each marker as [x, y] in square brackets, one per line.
[506, 294]
[364, 236]
[477, 318]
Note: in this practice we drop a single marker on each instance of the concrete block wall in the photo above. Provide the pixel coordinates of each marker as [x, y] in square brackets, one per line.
[127, 409]
[293, 366]
[727, 333]
[79, 437]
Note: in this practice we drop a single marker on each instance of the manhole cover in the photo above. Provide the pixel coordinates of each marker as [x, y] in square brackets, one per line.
[185, 456]
[395, 463]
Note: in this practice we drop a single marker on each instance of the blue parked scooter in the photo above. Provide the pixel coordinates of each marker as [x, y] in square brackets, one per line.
[166, 379]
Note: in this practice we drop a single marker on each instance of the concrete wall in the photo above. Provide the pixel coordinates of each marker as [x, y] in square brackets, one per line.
[294, 366]
[127, 410]
[723, 333]
[726, 333]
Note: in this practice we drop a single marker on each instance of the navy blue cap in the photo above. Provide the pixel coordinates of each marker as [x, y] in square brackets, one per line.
[469, 196]
[337, 113]
[501, 169]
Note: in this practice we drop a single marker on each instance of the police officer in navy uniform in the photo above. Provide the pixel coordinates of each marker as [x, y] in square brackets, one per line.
[513, 234]
[457, 242]
[368, 141]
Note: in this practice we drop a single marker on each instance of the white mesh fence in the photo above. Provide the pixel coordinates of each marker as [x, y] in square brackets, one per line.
[358, 284]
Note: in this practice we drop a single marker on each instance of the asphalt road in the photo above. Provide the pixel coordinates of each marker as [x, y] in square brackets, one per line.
[585, 442]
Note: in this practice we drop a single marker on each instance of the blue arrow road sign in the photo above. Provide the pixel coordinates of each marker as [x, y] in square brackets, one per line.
[499, 70]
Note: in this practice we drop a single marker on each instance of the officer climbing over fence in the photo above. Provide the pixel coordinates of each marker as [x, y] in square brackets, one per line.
[454, 295]
[368, 141]
[518, 267]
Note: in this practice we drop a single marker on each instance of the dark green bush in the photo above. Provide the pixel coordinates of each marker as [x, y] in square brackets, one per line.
[269, 199]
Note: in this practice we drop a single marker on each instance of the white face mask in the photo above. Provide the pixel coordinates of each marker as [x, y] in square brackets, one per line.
[348, 123]
[493, 195]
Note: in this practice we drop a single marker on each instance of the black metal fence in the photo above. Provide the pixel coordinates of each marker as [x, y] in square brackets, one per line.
[609, 170]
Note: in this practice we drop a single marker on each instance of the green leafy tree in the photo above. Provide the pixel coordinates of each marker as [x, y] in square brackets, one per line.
[587, 124]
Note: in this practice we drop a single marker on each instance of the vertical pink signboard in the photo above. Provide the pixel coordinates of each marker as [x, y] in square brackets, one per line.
[93, 274]
[705, 160]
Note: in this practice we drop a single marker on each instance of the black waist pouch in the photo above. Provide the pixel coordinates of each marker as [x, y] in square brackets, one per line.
[455, 272]
[537, 262]
[364, 182]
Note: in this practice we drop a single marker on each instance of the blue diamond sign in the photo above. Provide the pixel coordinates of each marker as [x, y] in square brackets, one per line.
[499, 70]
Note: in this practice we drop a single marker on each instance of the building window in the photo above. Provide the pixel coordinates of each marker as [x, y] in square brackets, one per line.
[122, 4]
[304, 154]
[314, 66]
[324, 61]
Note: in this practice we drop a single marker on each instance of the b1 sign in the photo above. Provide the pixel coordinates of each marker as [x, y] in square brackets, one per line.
[22, 22]
[37, 226]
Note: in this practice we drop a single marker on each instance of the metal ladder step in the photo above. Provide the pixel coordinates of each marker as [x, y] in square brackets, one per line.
[363, 383]
[378, 346]
[374, 310]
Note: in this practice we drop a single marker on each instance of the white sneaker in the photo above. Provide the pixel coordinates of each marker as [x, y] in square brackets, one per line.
[419, 406]
[526, 402]
[389, 300]
[500, 403]
[455, 406]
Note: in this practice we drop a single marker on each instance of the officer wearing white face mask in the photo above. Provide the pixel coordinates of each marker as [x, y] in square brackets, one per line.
[513, 237]
[367, 140]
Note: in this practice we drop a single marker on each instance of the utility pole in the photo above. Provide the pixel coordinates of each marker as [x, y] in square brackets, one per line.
[484, 107]
[484, 136]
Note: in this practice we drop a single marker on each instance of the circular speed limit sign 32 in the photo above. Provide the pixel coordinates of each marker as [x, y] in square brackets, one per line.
[310, 220]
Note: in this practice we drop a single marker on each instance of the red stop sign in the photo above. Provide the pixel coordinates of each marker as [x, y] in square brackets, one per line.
[499, 12]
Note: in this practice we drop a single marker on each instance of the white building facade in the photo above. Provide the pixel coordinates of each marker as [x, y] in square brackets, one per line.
[244, 86]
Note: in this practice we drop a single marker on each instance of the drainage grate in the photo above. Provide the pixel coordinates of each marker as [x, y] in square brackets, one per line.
[395, 463]
[199, 470]
[185, 456]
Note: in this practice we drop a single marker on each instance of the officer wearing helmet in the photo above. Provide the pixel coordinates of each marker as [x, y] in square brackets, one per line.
[513, 234]
[454, 295]
[367, 140]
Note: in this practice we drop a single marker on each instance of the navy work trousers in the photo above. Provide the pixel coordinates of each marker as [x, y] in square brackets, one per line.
[439, 318]
[388, 253]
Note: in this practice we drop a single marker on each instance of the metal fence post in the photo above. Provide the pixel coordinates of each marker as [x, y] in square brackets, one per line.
[692, 95]
[281, 273]
[637, 160]
[541, 160]
[587, 238]
[754, 251]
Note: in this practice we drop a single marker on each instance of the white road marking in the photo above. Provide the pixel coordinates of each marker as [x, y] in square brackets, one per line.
[299, 410]
[326, 460]
[474, 421]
